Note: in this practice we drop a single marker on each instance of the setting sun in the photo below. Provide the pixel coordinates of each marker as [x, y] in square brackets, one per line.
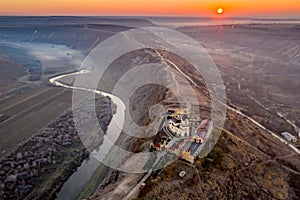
[153, 7]
[220, 11]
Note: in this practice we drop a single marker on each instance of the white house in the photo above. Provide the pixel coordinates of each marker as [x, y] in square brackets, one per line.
[289, 137]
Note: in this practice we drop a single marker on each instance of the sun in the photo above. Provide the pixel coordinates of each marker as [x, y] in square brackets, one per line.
[220, 11]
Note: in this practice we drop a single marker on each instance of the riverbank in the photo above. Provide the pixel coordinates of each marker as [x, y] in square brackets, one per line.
[40, 166]
[42, 161]
[94, 182]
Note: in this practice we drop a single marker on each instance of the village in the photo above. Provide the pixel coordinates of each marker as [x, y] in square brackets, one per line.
[182, 134]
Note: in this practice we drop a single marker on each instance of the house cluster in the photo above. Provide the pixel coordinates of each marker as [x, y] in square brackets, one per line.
[182, 134]
[21, 170]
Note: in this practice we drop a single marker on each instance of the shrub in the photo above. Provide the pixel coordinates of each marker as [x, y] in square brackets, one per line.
[215, 159]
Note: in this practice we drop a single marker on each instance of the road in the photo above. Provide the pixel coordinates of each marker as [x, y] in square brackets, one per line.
[256, 149]
[168, 62]
[134, 191]
[232, 109]
[296, 128]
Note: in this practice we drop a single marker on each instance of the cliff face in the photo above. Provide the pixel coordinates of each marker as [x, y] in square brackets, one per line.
[247, 162]
[114, 184]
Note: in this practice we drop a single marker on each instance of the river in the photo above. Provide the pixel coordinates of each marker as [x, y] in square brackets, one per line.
[74, 185]
[79, 179]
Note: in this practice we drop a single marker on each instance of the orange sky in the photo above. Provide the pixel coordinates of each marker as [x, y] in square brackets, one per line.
[150, 7]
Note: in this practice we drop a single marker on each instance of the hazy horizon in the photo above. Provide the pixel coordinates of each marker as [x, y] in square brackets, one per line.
[258, 17]
[205, 8]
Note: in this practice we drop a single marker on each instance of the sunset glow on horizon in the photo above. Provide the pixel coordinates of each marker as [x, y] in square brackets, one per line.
[220, 11]
[153, 7]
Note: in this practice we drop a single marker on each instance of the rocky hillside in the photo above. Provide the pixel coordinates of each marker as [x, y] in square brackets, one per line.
[246, 163]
